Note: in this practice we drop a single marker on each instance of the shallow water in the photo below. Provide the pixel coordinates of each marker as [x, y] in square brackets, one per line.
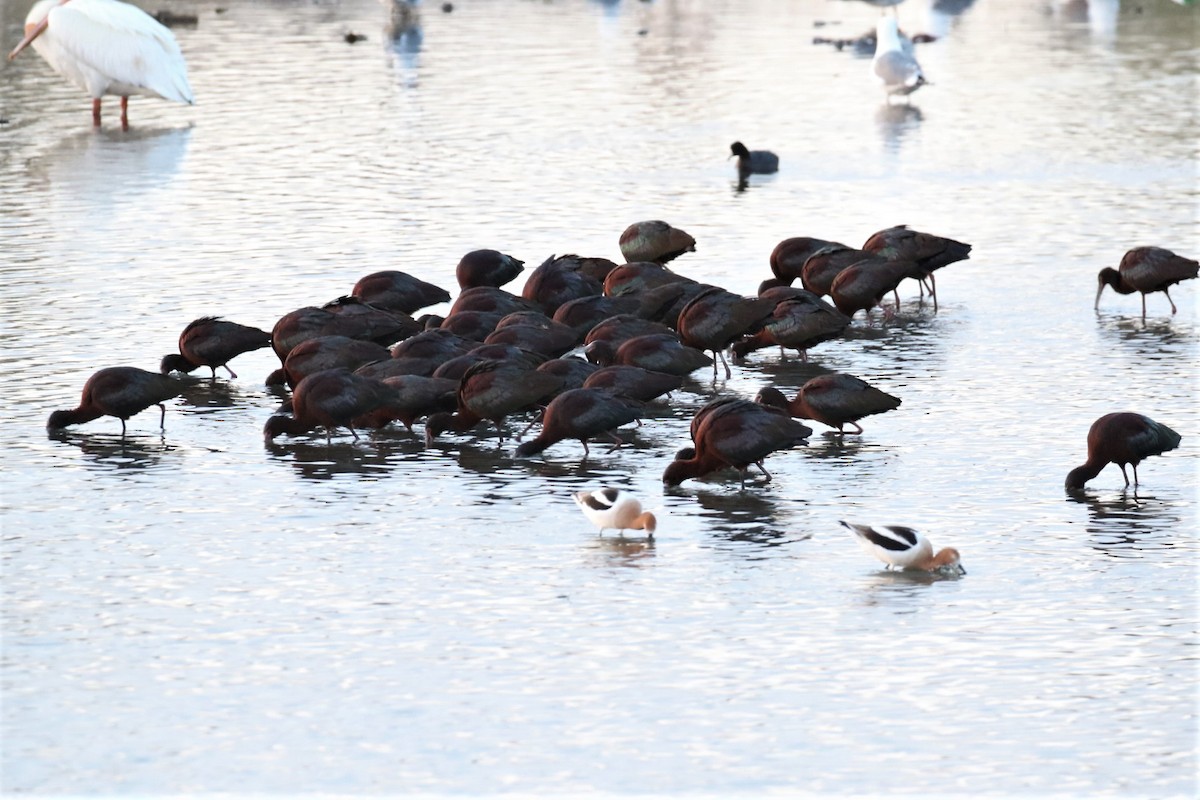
[193, 611]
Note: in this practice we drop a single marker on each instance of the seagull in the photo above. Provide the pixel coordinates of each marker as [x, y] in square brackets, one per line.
[898, 70]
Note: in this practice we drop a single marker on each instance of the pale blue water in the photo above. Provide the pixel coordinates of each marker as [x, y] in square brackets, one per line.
[193, 612]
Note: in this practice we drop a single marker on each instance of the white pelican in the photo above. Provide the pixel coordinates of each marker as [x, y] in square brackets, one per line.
[107, 47]
[897, 69]
[902, 547]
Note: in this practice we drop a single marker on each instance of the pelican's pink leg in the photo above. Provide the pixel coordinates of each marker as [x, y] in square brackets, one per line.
[95, 112]
[124, 113]
[1173, 310]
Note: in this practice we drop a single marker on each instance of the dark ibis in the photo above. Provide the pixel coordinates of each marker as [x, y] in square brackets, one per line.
[654, 240]
[715, 318]
[486, 268]
[925, 251]
[491, 390]
[119, 392]
[800, 321]
[213, 342]
[659, 352]
[558, 280]
[332, 398]
[582, 414]
[1146, 270]
[732, 432]
[789, 256]
[836, 399]
[1121, 438]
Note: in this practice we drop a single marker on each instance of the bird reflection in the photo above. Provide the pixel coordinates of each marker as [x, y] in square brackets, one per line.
[1155, 339]
[895, 122]
[1099, 15]
[1125, 523]
[937, 16]
[404, 32]
[117, 452]
[744, 517]
[830, 445]
[86, 161]
[313, 459]
[620, 551]
[896, 588]
[209, 395]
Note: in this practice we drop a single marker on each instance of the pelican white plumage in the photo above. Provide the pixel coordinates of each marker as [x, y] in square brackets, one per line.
[107, 47]
[896, 68]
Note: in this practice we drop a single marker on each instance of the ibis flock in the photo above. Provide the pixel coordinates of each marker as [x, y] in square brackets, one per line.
[589, 345]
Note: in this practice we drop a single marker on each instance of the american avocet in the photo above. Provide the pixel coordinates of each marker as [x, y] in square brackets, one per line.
[902, 547]
[610, 507]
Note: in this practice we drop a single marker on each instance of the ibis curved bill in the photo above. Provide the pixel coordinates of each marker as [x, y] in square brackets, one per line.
[107, 47]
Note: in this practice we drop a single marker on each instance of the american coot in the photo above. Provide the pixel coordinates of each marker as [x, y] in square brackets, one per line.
[754, 162]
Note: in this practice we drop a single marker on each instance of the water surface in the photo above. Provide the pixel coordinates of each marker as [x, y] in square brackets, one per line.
[192, 611]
